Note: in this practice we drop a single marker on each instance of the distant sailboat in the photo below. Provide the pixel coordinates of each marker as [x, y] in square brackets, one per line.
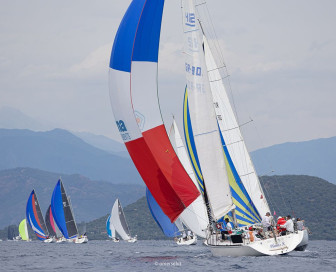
[23, 230]
[52, 226]
[63, 215]
[35, 218]
[119, 223]
[111, 230]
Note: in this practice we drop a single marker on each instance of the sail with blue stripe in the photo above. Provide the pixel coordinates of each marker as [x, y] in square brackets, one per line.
[246, 213]
[35, 218]
[169, 229]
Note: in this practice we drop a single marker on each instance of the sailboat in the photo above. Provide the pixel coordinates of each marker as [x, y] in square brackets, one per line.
[63, 215]
[111, 230]
[52, 227]
[119, 223]
[35, 218]
[169, 229]
[23, 230]
[133, 76]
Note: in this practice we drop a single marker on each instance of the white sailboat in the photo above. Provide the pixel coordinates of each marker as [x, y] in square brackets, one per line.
[119, 224]
[133, 76]
[111, 232]
[205, 97]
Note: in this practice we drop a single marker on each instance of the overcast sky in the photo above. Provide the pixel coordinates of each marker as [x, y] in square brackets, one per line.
[281, 56]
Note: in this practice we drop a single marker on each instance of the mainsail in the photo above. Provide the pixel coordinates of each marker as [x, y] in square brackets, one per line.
[62, 212]
[231, 134]
[119, 221]
[203, 116]
[133, 79]
[23, 230]
[169, 229]
[35, 218]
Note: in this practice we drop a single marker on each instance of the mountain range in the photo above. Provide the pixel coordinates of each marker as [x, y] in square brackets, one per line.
[90, 199]
[60, 151]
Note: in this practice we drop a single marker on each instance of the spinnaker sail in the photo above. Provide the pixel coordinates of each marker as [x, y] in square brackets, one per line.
[62, 212]
[23, 230]
[35, 218]
[169, 229]
[133, 79]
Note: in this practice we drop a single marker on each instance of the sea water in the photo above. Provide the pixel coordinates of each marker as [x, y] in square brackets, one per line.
[147, 256]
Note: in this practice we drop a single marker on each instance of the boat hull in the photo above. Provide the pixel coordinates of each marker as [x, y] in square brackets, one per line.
[182, 242]
[304, 242]
[267, 247]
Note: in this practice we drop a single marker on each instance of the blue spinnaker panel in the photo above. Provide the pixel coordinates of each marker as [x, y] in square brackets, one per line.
[169, 229]
[57, 209]
[108, 230]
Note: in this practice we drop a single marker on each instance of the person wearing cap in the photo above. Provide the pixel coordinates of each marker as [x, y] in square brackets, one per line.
[266, 222]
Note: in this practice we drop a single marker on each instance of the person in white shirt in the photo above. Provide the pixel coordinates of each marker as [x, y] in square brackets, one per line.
[266, 222]
[289, 225]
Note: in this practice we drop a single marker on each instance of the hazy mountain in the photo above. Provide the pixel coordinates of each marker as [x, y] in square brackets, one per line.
[103, 143]
[90, 199]
[11, 118]
[60, 151]
[315, 158]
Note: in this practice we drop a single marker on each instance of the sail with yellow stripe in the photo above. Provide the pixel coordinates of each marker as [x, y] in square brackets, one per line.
[246, 212]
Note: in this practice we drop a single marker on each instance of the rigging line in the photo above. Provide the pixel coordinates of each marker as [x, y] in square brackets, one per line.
[225, 130]
[283, 199]
[273, 204]
[217, 68]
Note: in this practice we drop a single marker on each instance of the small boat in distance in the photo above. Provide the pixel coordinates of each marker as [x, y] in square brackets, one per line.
[119, 224]
[63, 215]
[52, 227]
[23, 230]
[35, 218]
[111, 230]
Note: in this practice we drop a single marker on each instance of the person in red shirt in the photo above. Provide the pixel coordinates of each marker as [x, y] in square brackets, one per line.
[281, 221]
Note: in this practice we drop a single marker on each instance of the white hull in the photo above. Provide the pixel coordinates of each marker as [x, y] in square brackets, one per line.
[115, 240]
[132, 240]
[49, 240]
[268, 247]
[61, 240]
[80, 240]
[304, 242]
[189, 242]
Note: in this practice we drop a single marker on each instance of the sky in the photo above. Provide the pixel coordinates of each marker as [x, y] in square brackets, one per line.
[281, 56]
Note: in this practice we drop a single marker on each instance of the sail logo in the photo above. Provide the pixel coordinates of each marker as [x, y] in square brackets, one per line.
[121, 126]
[140, 119]
[193, 70]
[190, 19]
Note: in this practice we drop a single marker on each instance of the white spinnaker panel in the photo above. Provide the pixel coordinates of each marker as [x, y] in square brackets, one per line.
[232, 135]
[195, 216]
[203, 116]
[179, 224]
[122, 108]
[145, 102]
[115, 219]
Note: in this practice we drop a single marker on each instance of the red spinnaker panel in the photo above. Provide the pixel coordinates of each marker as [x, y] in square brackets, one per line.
[165, 156]
[155, 180]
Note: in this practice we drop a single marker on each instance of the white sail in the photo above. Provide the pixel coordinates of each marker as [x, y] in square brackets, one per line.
[195, 216]
[203, 116]
[232, 134]
[119, 222]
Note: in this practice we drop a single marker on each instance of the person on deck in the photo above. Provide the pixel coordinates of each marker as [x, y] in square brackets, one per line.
[281, 221]
[299, 224]
[266, 222]
[289, 225]
[229, 225]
